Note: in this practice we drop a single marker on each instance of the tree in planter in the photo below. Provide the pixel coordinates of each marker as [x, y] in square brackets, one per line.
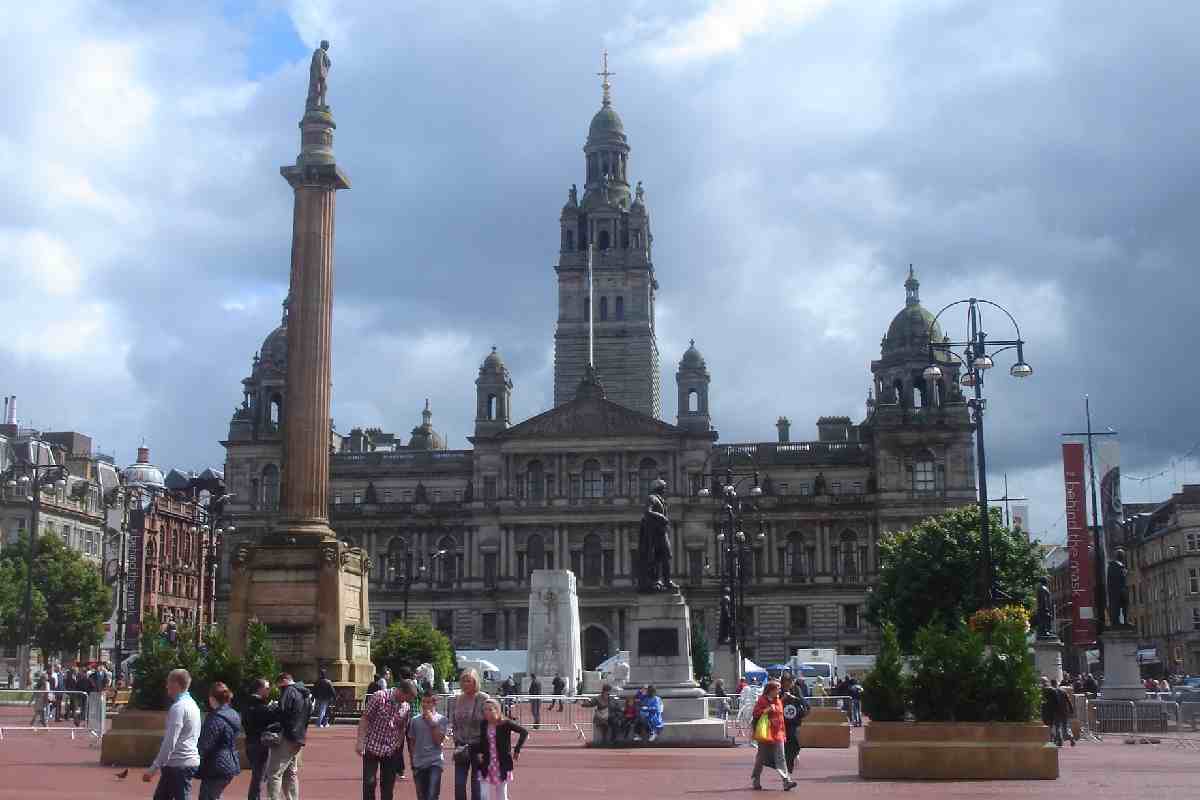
[885, 689]
[946, 552]
[701, 660]
[949, 683]
[406, 646]
[1013, 694]
[258, 660]
[155, 659]
[219, 664]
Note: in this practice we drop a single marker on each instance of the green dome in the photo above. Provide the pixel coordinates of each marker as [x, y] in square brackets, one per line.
[910, 329]
[606, 124]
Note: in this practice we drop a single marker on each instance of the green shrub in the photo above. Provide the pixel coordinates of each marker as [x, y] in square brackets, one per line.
[1011, 679]
[406, 646]
[156, 658]
[948, 674]
[885, 689]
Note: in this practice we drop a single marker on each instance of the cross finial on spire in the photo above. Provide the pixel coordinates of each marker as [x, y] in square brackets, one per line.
[606, 99]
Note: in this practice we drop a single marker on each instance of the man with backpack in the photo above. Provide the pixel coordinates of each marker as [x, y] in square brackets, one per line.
[283, 766]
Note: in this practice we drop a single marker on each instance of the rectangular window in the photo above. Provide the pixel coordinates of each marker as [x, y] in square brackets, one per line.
[488, 627]
[357, 498]
[835, 487]
[387, 495]
[857, 487]
[337, 498]
[1196, 618]
[850, 617]
[407, 496]
[458, 495]
[489, 487]
[1192, 541]
[797, 619]
[1194, 580]
[805, 488]
[608, 485]
[437, 495]
[491, 563]
[783, 488]
[924, 476]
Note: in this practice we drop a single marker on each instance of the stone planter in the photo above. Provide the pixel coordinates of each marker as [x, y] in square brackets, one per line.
[987, 751]
[825, 727]
[135, 736]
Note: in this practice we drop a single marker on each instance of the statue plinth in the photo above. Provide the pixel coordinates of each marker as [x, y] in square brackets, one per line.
[312, 596]
[1122, 676]
[1047, 656]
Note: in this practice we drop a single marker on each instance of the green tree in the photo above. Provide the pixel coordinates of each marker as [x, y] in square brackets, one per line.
[934, 571]
[258, 659]
[885, 689]
[75, 601]
[12, 603]
[156, 657]
[1011, 675]
[219, 664]
[405, 646]
[701, 659]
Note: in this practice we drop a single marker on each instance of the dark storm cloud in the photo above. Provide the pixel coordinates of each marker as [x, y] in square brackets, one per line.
[1041, 155]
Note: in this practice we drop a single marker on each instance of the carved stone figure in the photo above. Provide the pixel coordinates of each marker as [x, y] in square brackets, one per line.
[654, 543]
[573, 196]
[1118, 591]
[819, 483]
[640, 193]
[725, 632]
[1043, 618]
[421, 495]
[318, 74]
[372, 493]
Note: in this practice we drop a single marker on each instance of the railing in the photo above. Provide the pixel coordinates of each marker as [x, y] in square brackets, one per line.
[73, 713]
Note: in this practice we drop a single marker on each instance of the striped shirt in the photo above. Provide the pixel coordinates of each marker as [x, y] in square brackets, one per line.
[387, 723]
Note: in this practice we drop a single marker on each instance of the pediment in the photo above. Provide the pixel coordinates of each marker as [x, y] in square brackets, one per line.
[589, 417]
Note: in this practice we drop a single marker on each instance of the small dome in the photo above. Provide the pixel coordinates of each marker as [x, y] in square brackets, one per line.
[274, 347]
[493, 361]
[606, 124]
[692, 359]
[910, 329]
[143, 473]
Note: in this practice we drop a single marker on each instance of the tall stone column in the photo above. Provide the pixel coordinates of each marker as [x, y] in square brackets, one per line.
[315, 178]
[310, 590]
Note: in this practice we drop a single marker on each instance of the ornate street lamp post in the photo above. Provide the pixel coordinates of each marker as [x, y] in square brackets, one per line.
[733, 547]
[977, 358]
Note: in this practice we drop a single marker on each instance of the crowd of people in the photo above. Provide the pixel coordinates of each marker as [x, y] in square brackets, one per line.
[60, 693]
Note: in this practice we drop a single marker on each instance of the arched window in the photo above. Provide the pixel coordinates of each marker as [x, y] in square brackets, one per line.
[276, 409]
[941, 393]
[270, 487]
[491, 407]
[603, 241]
[603, 308]
[446, 564]
[898, 387]
[593, 483]
[647, 475]
[399, 562]
[535, 553]
[535, 475]
[924, 474]
[620, 310]
[693, 401]
[593, 560]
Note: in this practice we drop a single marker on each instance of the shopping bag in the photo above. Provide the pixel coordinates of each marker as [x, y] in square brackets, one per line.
[762, 729]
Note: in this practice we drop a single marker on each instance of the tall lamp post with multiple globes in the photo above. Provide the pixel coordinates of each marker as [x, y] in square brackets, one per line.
[217, 524]
[34, 478]
[400, 570]
[733, 547]
[977, 357]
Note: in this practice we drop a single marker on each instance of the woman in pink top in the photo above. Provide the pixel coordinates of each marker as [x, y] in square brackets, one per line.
[495, 756]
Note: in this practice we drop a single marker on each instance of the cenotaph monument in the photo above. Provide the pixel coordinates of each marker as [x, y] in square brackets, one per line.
[309, 589]
[660, 637]
[554, 633]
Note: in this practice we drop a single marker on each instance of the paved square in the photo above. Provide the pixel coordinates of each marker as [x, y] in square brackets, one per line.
[37, 766]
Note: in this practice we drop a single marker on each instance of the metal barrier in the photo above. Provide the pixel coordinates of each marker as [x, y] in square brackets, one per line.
[31, 710]
[1111, 716]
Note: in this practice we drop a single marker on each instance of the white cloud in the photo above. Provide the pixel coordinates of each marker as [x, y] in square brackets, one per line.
[724, 27]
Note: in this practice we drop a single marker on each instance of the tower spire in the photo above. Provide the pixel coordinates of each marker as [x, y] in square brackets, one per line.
[605, 86]
[912, 288]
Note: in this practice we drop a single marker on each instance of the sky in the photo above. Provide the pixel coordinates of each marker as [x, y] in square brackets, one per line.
[796, 156]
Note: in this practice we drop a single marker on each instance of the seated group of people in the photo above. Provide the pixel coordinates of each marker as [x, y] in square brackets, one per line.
[616, 720]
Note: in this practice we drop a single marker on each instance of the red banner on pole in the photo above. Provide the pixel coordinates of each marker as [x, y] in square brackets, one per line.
[1079, 548]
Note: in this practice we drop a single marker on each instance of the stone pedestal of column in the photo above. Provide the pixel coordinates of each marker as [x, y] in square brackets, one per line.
[660, 655]
[1047, 658]
[727, 666]
[1122, 677]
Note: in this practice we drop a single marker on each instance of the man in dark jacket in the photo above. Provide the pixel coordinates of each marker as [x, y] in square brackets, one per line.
[558, 686]
[324, 694]
[256, 716]
[283, 767]
[794, 709]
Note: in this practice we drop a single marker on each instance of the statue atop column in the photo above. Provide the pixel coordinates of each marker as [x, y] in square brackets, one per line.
[1118, 591]
[725, 631]
[654, 543]
[318, 74]
[1043, 618]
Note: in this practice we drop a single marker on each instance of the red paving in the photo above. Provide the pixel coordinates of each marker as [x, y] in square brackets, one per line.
[34, 766]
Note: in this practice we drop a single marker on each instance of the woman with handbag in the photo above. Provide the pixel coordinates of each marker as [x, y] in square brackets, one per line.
[218, 747]
[603, 724]
[769, 736]
[495, 755]
[466, 719]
